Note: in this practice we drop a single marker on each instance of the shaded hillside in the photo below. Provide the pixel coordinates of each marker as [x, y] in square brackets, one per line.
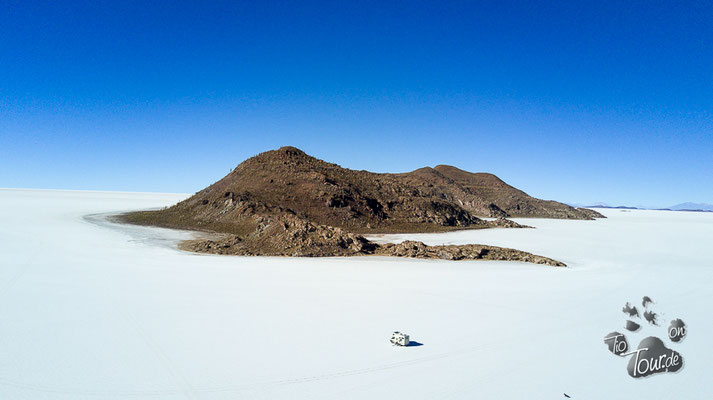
[487, 195]
[286, 183]
[692, 207]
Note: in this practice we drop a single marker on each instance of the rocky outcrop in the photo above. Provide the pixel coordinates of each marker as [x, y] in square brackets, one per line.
[415, 249]
[505, 223]
[591, 213]
[287, 235]
[303, 239]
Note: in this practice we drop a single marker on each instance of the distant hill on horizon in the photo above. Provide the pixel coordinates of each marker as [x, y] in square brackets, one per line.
[688, 206]
[616, 207]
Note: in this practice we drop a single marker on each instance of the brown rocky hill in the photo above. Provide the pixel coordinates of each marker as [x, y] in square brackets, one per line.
[286, 203]
[289, 183]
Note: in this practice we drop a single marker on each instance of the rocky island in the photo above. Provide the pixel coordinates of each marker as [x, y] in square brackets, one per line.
[287, 203]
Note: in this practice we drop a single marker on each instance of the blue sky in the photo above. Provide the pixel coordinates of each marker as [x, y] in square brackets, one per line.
[578, 102]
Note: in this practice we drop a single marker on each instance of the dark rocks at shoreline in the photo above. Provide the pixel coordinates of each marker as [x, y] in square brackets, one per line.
[506, 223]
[287, 235]
[591, 213]
[295, 237]
[414, 249]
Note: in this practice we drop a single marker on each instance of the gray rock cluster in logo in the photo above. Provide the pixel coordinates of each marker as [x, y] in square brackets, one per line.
[645, 301]
[632, 326]
[632, 311]
[651, 356]
[651, 317]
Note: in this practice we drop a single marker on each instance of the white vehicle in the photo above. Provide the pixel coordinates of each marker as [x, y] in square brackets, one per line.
[399, 339]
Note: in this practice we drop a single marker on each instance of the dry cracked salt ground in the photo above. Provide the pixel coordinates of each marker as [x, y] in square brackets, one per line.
[93, 310]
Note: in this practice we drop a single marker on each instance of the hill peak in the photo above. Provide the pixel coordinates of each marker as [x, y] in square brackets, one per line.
[444, 168]
[291, 150]
[283, 155]
[285, 151]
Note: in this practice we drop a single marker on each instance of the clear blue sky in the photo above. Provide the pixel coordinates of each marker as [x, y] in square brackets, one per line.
[587, 102]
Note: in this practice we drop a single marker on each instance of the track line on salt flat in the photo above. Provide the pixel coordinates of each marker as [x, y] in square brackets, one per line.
[190, 392]
[348, 372]
[20, 273]
[186, 388]
[85, 393]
